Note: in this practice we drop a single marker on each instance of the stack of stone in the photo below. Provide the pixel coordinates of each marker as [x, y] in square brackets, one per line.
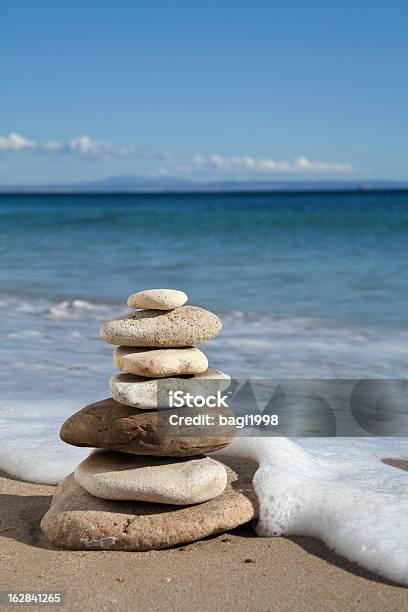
[152, 486]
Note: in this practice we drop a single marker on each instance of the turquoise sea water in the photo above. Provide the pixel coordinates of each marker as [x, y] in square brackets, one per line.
[309, 284]
[339, 256]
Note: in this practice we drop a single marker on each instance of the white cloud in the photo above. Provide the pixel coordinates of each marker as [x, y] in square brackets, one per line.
[102, 149]
[83, 146]
[171, 161]
[302, 163]
[15, 142]
[239, 165]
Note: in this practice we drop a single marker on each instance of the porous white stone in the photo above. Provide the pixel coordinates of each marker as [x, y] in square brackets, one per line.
[157, 299]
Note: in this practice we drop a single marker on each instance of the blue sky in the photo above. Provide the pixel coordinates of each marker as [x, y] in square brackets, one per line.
[218, 90]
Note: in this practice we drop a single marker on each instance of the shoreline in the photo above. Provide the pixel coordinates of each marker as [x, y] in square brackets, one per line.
[237, 570]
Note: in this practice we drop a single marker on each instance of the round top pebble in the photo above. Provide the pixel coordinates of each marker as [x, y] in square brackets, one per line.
[157, 299]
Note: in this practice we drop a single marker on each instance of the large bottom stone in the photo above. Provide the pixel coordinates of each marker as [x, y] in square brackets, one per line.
[79, 521]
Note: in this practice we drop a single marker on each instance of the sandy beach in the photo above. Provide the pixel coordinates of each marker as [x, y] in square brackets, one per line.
[235, 571]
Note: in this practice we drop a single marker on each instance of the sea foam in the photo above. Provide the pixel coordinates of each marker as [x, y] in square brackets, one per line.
[31, 448]
[337, 490]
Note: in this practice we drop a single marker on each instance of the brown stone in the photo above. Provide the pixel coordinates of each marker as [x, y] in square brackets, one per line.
[111, 425]
[79, 521]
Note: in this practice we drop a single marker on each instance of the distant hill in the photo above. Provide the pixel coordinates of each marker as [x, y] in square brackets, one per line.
[136, 184]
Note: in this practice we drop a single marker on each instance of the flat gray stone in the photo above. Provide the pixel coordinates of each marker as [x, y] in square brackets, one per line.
[120, 476]
[80, 521]
[149, 393]
[157, 299]
[182, 326]
[158, 363]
